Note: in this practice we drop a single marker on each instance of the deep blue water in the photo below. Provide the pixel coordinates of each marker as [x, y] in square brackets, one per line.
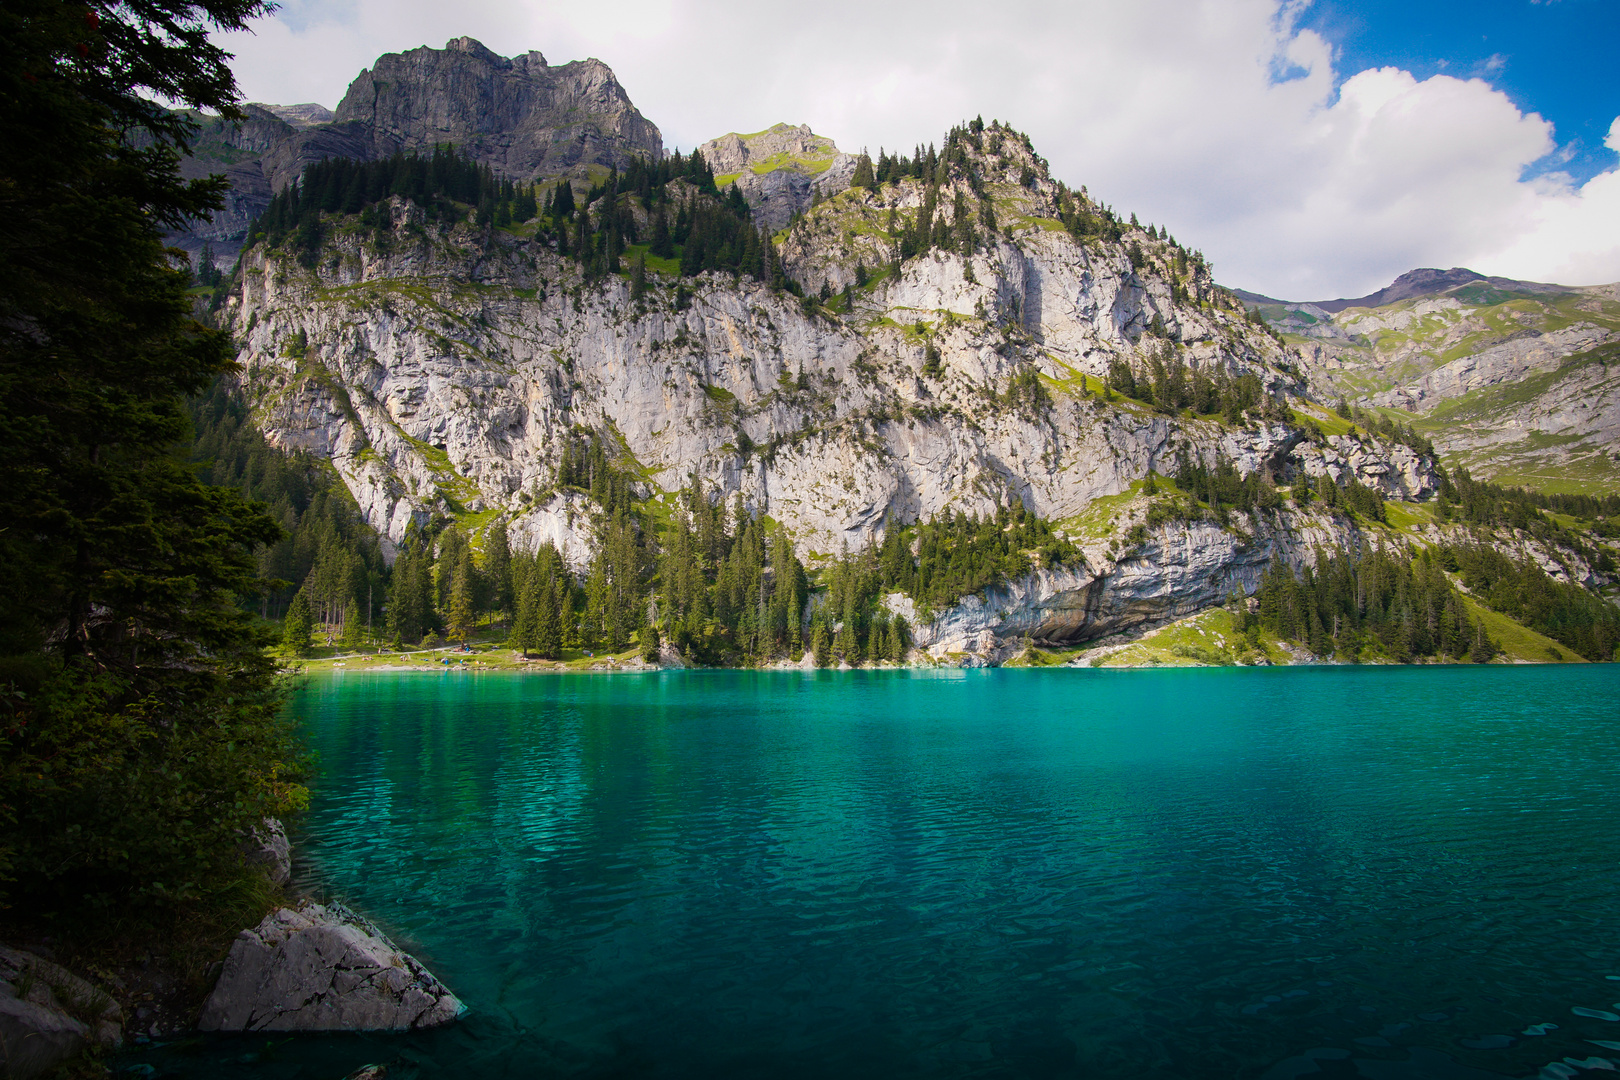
[1379, 872]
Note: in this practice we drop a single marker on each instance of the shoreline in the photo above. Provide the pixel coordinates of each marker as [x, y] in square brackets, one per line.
[1206, 639]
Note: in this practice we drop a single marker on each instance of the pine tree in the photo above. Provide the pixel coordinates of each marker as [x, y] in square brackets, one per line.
[462, 611]
[638, 279]
[821, 645]
[562, 206]
[353, 628]
[864, 176]
[297, 629]
[847, 644]
[498, 567]
[526, 624]
[548, 619]
[662, 245]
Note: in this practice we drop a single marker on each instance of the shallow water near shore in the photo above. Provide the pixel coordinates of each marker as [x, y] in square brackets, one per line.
[1384, 872]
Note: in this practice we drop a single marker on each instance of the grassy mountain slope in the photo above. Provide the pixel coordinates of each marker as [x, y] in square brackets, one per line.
[1510, 379]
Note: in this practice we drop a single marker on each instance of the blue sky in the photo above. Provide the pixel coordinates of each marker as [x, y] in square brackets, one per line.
[1554, 57]
[1311, 149]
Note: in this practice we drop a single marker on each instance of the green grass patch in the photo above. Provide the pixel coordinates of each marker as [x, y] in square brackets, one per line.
[1520, 642]
[1329, 421]
[655, 263]
[1074, 382]
[1104, 515]
[1043, 223]
[1203, 640]
[456, 490]
[1407, 517]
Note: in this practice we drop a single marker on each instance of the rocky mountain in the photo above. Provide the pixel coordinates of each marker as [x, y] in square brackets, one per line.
[444, 368]
[1509, 378]
[954, 334]
[522, 117]
[780, 170]
[1414, 284]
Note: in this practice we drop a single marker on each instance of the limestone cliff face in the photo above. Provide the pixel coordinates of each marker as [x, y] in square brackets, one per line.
[1179, 568]
[442, 369]
[259, 157]
[521, 116]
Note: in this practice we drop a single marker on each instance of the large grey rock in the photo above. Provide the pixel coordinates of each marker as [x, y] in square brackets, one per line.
[269, 850]
[322, 967]
[49, 1015]
[34, 1038]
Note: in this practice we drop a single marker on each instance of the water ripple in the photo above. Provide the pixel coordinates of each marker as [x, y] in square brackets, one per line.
[980, 874]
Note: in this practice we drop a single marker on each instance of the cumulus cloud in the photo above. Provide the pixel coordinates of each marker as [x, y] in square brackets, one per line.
[1217, 118]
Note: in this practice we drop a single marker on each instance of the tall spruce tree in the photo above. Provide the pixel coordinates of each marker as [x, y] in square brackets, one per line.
[121, 573]
[498, 567]
[297, 629]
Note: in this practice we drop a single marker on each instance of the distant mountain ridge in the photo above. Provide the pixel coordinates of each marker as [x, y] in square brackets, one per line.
[307, 114]
[1424, 281]
[1511, 378]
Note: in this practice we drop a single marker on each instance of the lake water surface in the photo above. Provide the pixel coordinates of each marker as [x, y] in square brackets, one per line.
[1379, 872]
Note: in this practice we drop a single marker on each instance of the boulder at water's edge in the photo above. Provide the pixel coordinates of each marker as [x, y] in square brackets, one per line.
[322, 967]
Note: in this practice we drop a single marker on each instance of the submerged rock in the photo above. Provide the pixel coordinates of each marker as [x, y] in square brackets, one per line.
[322, 967]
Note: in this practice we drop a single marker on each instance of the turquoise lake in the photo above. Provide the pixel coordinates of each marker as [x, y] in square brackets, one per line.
[1278, 873]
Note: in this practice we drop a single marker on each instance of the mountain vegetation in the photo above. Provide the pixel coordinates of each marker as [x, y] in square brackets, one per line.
[669, 569]
[1378, 604]
[326, 550]
[437, 182]
[1485, 367]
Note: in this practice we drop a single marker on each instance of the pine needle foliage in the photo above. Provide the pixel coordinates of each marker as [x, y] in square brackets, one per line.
[139, 735]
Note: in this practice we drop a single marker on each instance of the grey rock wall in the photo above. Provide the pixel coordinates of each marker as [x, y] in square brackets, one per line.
[520, 116]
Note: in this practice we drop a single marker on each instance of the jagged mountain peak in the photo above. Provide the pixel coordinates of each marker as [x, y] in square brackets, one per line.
[523, 117]
[520, 115]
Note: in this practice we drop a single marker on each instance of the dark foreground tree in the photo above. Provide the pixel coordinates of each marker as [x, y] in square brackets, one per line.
[139, 731]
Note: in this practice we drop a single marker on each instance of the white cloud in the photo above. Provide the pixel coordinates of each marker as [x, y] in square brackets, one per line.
[1215, 117]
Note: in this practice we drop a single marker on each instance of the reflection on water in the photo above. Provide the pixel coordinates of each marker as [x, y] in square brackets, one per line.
[1326, 872]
